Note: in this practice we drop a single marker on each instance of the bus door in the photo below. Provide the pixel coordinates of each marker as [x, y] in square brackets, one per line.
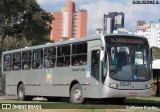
[95, 63]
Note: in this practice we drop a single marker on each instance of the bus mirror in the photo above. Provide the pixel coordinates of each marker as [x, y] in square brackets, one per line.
[101, 55]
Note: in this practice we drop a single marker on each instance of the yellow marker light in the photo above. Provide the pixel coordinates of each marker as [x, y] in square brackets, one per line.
[113, 85]
[149, 86]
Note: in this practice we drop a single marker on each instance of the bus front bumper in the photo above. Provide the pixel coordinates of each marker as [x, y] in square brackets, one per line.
[114, 92]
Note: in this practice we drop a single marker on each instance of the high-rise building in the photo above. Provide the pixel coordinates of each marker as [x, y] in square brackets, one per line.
[152, 33]
[140, 23]
[122, 31]
[113, 21]
[69, 23]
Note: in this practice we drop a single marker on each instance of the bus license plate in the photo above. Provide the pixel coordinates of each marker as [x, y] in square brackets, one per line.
[125, 83]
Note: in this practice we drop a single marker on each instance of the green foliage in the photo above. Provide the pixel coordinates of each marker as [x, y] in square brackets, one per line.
[155, 53]
[22, 21]
[24, 18]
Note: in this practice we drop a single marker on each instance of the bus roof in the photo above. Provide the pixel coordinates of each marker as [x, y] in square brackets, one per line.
[67, 42]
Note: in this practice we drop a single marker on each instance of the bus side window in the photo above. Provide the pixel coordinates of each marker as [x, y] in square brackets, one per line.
[26, 60]
[16, 61]
[7, 62]
[49, 57]
[79, 54]
[37, 59]
[63, 56]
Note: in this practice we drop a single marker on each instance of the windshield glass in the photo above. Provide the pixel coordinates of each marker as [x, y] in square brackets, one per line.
[129, 63]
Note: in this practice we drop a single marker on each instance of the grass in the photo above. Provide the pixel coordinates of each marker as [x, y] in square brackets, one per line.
[144, 100]
[64, 106]
[80, 110]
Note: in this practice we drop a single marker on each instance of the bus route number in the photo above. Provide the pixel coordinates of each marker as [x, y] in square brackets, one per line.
[125, 83]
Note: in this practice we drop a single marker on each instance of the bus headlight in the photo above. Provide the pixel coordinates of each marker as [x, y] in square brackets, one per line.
[113, 85]
[149, 86]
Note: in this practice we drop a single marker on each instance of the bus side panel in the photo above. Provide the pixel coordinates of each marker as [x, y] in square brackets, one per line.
[3, 84]
[55, 82]
[12, 80]
[55, 90]
[94, 89]
[32, 81]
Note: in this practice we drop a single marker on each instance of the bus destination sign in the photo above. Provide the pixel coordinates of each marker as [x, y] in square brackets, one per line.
[127, 40]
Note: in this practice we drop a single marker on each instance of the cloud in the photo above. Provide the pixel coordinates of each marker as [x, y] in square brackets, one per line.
[42, 2]
[133, 12]
[97, 8]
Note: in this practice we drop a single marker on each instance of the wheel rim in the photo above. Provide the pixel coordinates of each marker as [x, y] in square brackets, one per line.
[77, 94]
[21, 92]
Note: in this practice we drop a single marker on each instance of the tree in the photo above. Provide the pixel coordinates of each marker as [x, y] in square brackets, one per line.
[11, 43]
[23, 19]
[155, 53]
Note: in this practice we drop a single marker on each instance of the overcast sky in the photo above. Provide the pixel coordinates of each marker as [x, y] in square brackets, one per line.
[96, 9]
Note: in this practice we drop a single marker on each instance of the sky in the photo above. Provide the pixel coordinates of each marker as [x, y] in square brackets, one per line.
[97, 8]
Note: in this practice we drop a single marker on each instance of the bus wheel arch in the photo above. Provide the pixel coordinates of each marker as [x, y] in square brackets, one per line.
[19, 83]
[76, 94]
[72, 84]
[21, 91]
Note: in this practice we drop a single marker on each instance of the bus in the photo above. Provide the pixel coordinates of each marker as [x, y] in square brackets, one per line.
[109, 67]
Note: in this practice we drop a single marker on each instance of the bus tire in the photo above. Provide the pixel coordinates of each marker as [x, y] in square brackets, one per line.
[21, 92]
[76, 95]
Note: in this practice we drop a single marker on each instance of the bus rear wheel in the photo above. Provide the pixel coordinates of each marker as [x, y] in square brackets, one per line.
[21, 92]
[76, 95]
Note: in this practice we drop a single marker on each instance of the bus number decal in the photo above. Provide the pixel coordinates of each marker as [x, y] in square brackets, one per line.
[78, 69]
[125, 83]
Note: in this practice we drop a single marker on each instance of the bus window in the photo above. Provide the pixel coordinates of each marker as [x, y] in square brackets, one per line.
[49, 57]
[37, 59]
[7, 62]
[79, 54]
[26, 60]
[16, 61]
[63, 57]
[95, 64]
[141, 63]
[120, 63]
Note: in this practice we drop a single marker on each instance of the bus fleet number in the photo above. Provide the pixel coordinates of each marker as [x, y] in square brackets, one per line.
[125, 83]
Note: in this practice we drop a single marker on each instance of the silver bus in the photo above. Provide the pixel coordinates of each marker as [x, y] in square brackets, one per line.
[110, 67]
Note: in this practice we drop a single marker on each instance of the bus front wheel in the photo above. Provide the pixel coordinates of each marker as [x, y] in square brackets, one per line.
[76, 95]
[21, 92]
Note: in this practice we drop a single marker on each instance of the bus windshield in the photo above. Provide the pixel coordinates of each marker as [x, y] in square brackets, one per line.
[129, 63]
